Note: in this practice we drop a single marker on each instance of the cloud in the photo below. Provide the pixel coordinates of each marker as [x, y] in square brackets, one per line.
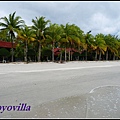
[100, 23]
[100, 17]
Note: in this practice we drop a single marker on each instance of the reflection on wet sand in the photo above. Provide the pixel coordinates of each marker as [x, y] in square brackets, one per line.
[104, 102]
[101, 102]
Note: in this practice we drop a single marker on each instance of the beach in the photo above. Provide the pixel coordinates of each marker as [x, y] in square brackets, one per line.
[77, 89]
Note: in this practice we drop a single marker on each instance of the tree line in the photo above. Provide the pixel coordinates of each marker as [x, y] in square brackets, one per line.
[39, 41]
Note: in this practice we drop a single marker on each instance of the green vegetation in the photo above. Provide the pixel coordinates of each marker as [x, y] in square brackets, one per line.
[4, 53]
[41, 40]
[11, 25]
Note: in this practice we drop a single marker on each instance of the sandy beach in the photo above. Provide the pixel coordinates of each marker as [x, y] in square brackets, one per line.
[76, 89]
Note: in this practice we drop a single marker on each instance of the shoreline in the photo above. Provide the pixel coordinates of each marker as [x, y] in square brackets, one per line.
[61, 63]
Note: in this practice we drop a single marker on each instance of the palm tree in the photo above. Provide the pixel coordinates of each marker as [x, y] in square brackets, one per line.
[77, 36]
[39, 25]
[64, 41]
[116, 45]
[88, 45]
[53, 35]
[11, 25]
[27, 35]
[19, 50]
[100, 45]
[4, 36]
[71, 38]
[112, 46]
[118, 55]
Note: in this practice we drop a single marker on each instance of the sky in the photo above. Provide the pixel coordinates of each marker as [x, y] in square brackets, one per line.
[99, 16]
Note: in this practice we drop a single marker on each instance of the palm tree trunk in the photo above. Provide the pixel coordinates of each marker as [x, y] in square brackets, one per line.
[86, 55]
[96, 55]
[65, 54]
[39, 52]
[25, 51]
[12, 51]
[107, 55]
[69, 54]
[113, 56]
[79, 53]
[24, 55]
[53, 52]
[100, 55]
[61, 57]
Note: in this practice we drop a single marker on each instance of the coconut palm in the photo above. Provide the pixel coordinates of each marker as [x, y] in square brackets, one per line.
[88, 43]
[11, 25]
[27, 35]
[112, 45]
[53, 35]
[4, 36]
[19, 50]
[118, 55]
[100, 45]
[77, 36]
[64, 41]
[115, 47]
[39, 25]
[71, 38]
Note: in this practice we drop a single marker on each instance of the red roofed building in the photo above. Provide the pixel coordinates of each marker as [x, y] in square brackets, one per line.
[57, 50]
[8, 45]
[4, 44]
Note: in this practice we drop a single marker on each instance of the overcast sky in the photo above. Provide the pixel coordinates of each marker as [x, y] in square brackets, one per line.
[99, 17]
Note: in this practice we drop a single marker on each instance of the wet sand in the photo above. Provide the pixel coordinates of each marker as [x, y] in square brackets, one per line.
[69, 90]
[103, 102]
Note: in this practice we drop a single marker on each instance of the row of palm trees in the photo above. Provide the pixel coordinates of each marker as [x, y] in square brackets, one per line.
[43, 36]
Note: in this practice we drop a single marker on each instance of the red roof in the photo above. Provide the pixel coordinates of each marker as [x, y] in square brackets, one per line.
[7, 44]
[57, 50]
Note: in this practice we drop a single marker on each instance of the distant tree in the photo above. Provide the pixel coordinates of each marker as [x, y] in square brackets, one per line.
[4, 53]
[27, 35]
[100, 45]
[39, 25]
[112, 46]
[53, 35]
[11, 25]
[88, 43]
